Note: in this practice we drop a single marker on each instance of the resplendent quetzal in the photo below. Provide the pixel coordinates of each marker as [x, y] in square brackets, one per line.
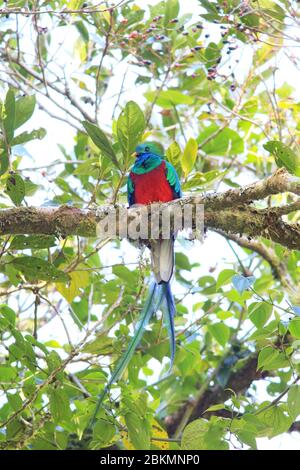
[152, 179]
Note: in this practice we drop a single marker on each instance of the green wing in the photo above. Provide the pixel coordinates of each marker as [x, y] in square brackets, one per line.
[130, 191]
[173, 179]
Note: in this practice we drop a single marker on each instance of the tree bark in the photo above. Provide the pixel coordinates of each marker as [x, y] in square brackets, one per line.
[231, 212]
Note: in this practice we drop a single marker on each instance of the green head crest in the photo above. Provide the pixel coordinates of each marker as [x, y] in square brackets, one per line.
[150, 147]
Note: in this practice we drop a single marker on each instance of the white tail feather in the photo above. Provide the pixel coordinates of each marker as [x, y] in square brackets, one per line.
[162, 257]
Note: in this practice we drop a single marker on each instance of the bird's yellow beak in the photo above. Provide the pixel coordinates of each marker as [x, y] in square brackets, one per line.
[134, 154]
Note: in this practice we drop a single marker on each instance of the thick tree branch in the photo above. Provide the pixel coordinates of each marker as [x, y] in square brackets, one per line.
[279, 182]
[249, 221]
[230, 212]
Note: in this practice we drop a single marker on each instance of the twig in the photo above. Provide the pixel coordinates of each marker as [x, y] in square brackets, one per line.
[277, 400]
[73, 378]
[26, 12]
[38, 48]
[104, 52]
[35, 321]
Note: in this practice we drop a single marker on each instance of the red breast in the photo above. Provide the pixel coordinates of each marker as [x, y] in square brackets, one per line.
[152, 187]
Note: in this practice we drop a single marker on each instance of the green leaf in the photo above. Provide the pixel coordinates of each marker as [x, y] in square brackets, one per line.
[54, 362]
[101, 345]
[9, 120]
[215, 437]
[182, 261]
[30, 187]
[212, 54]
[82, 30]
[204, 435]
[8, 314]
[221, 406]
[224, 277]
[259, 313]
[22, 242]
[189, 156]
[250, 107]
[7, 373]
[101, 141]
[61, 439]
[193, 435]
[4, 161]
[173, 154]
[294, 327]
[244, 432]
[200, 180]
[251, 19]
[103, 433]
[67, 188]
[214, 141]
[273, 422]
[138, 431]
[130, 128]
[224, 314]
[266, 356]
[59, 405]
[77, 281]
[235, 296]
[271, 359]
[171, 11]
[15, 401]
[168, 99]
[15, 188]
[293, 401]
[28, 136]
[220, 332]
[209, 6]
[24, 109]
[284, 156]
[285, 91]
[52, 344]
[128, 276]
[89, 168]
[36, 343]
[37, 268]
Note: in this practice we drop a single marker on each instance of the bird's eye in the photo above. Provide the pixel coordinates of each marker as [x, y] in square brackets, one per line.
[147, 149]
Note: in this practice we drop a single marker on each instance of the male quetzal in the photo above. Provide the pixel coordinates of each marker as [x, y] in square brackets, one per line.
[152, 179]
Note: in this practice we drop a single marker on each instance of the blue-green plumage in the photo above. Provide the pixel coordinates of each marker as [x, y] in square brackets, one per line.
[173, 180]
[152, 178]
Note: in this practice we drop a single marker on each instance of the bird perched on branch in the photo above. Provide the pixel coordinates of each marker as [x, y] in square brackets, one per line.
[152, 179]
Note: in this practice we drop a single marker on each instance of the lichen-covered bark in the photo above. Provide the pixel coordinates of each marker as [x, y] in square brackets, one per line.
[231, 211]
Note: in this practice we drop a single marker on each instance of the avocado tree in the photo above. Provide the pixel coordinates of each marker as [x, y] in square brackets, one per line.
[81, 85]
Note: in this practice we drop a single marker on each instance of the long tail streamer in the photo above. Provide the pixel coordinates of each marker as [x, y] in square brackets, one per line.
[169, 311]
[159, 296]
